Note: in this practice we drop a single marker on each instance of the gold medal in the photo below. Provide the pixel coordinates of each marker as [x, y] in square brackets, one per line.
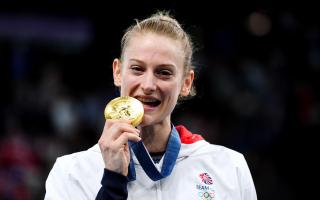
[127, 108]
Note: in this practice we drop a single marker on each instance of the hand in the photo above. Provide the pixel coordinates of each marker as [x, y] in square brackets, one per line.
[114, 146]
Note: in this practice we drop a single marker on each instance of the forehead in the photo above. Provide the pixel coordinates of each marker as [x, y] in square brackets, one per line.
[154, 47]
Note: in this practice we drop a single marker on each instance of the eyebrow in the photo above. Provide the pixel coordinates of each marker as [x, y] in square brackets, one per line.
[141, 62]
[136, 60]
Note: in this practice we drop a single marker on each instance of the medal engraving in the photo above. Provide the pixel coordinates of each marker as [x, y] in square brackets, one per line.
[127, 108]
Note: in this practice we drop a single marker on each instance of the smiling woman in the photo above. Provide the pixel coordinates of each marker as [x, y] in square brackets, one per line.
[153, 73]
[146, 161]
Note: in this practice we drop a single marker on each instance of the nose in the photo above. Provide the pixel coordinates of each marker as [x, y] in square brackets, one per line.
[148, 83]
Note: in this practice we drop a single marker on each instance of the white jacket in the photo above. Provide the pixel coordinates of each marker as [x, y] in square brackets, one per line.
[202, 171]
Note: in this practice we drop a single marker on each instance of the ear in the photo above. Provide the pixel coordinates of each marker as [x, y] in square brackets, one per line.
[116, 66]
[187, 83]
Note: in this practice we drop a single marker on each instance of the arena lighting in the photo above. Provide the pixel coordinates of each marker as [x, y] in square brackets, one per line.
[259, 24]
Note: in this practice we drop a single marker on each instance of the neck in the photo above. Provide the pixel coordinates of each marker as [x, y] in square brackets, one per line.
[155, 137]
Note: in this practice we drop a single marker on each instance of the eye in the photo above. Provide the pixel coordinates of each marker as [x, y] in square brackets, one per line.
[136, 69]
[165, 73]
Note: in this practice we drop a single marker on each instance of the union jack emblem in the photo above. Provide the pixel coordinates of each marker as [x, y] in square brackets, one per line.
[205, 178]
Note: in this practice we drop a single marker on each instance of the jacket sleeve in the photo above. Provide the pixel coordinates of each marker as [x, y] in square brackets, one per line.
[248, 191]
[114, 186]
[62, 184]
[57, 183]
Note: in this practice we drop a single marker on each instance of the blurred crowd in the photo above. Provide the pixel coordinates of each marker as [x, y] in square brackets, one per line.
[257, 77]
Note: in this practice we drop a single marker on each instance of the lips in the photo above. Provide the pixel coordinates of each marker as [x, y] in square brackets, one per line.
[149, 101]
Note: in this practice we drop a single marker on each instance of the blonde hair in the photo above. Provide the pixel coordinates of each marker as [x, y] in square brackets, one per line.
[163, 24]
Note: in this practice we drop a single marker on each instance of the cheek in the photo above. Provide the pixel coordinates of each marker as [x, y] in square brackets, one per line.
[127, 83]
[173, 90]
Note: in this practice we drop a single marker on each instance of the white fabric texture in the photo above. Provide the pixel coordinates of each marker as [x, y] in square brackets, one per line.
[202, 171]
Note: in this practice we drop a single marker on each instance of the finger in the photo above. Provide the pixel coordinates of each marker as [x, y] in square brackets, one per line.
[113, 129]
[109, 122]
[124, 138]
[118, 129]
[111, 134]
[125, 123]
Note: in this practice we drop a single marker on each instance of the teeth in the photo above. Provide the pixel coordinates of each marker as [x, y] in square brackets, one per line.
[148, 100]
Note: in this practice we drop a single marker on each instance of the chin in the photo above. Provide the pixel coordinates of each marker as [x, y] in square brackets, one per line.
[147, 121]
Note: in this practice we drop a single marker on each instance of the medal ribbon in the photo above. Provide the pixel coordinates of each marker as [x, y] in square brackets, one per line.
[147, 163]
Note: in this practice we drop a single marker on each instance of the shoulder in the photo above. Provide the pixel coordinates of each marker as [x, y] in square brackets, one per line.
[222, 150]
[79, 160]
[75, 175]
[194, 144]
[226, 153]
[212, 153]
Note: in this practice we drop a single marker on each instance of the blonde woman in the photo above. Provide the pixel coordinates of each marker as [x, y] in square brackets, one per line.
[156, 159]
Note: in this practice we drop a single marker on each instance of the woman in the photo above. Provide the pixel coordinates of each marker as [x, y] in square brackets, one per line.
[163, 161]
